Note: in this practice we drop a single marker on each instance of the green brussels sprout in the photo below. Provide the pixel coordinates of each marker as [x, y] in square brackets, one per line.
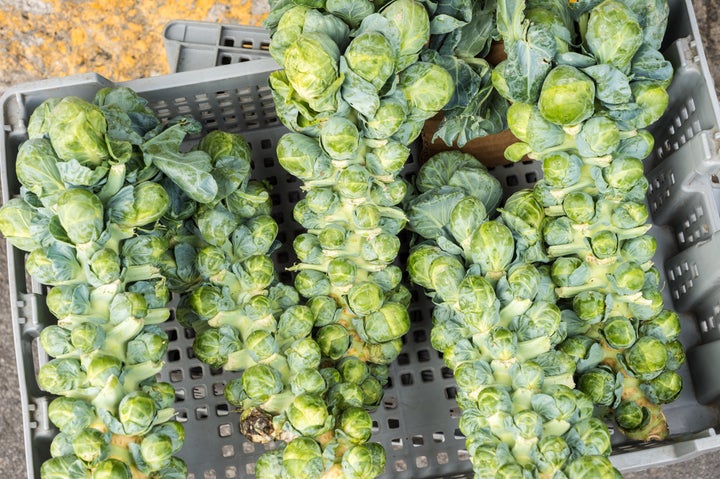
[356, 424]
[676, 355]
[389, 116]
[561, 169]
[37, 170]
[591, 466]
[619, 332]
[101, 368]
[16, 218]
[156, 451]
[309, 415]
[105, 265]
[589, 437]
[311, 65]
[308, 381]
[63, 467]
[627, 277]
[70, 415]
[311, 283]
[162, 393]
[390, 322]
[664, 388]
[140, 205]
[638, 146]
[60, 376]
[334, 340]
[150, 345]
[40, 118]
[492, 247]
[427, 88]
[308, 249]
[87, 337]
[55, 341]
[599, 136]
[365, 298]
[646, 358]
[629, 415]
[299, 154]
[600, 385]
[567, 96]
[219, 144]
[387, 159]
[339, 138]
[569, 271]
[302, 458]
[613, 34]
[589, 306]
[323, 309]
[552, 453]
[649, 305]
[413, 25]
[270, 464]
[91, 445]
[111, 469]
[295, 322]
[366, 216]
[604, 244]
[81, 214]
[77, 131]
[623, 173]
[261, 345]
[303, 353]
[137, 412]
[370, 55]
[579, 207]
[640, 249]
[213, 346]
[364, 461]
[652, 100]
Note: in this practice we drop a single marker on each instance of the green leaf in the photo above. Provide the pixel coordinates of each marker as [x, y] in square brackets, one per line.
[190, 171]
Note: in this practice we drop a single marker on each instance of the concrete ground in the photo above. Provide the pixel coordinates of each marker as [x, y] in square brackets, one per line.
[123, 40]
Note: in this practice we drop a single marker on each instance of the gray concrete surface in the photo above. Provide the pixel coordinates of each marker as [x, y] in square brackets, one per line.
[12, 458]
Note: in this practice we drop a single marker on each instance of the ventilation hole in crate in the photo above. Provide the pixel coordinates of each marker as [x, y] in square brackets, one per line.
[225, 430]
[225, 59]
[248, 447]
[450, 392]
[229, 42]
[703, 327]
[675, 294]
[403, 359]
[283, 257]
[189, 333]
[423, 355]
[438, 436]
[279, 218]
[182, 415]
[531, 177]
[293, 196]
[180, 100]
[179, 395]
[711, 322]
[176, 375]
[250, 469]
[272, 180]
[681, 238]
[199, 392]
[455, 412]
[512, 180]
[443, 458]
[228, 450]
[401, 465]
[695, 270]
[404, 340]
[417, 440]
[421, 462]
[396, 443]
[222, 410]
[201, 412]
[172, 334]
[416, 316]
[427, 375]
[196, 372]
[420, 335]
[390, 402]
[247, 44]
[190, 352]
[173, 355]
[230, 472]
[446, 372]
[216, 371]
[406, 379]
[375, 426]
[268, 162]
[210, 474]
[463, 455]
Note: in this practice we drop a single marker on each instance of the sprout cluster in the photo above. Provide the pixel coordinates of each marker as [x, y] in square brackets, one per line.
[354, 94]
[585, 119]
[498, 325]
[88, 215]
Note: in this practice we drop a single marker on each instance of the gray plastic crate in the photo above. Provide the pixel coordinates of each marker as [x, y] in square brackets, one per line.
[417, 420]
[194, 45]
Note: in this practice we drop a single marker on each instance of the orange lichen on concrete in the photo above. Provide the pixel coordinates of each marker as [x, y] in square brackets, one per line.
[118, 39]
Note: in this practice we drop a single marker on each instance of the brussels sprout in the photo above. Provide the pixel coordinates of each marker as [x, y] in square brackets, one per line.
[88, 337]
[579, 207]
[413, 25]
[567, 96]
[600, 385]
[619, 332]
[364, 461]
[63, 467]
[81, 214]
[77, 131]
[60, 376]
[111, 469]
[647, 358]
[629, 415]
[589, 306]
[664, 388]
[613, 34]
[356, 424]
[308, 414]
[370, 55]
[427, 88]
[561, 169]
[388, 118]
[311, 65]
[365, 298]
[390, 322]
[16, 218]
[595, 466]
[599, 136]
[91, 445]
[302, 458]
[492, 247]
[334, 340]
[640, 249]
[339, 138]
[137, 412]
